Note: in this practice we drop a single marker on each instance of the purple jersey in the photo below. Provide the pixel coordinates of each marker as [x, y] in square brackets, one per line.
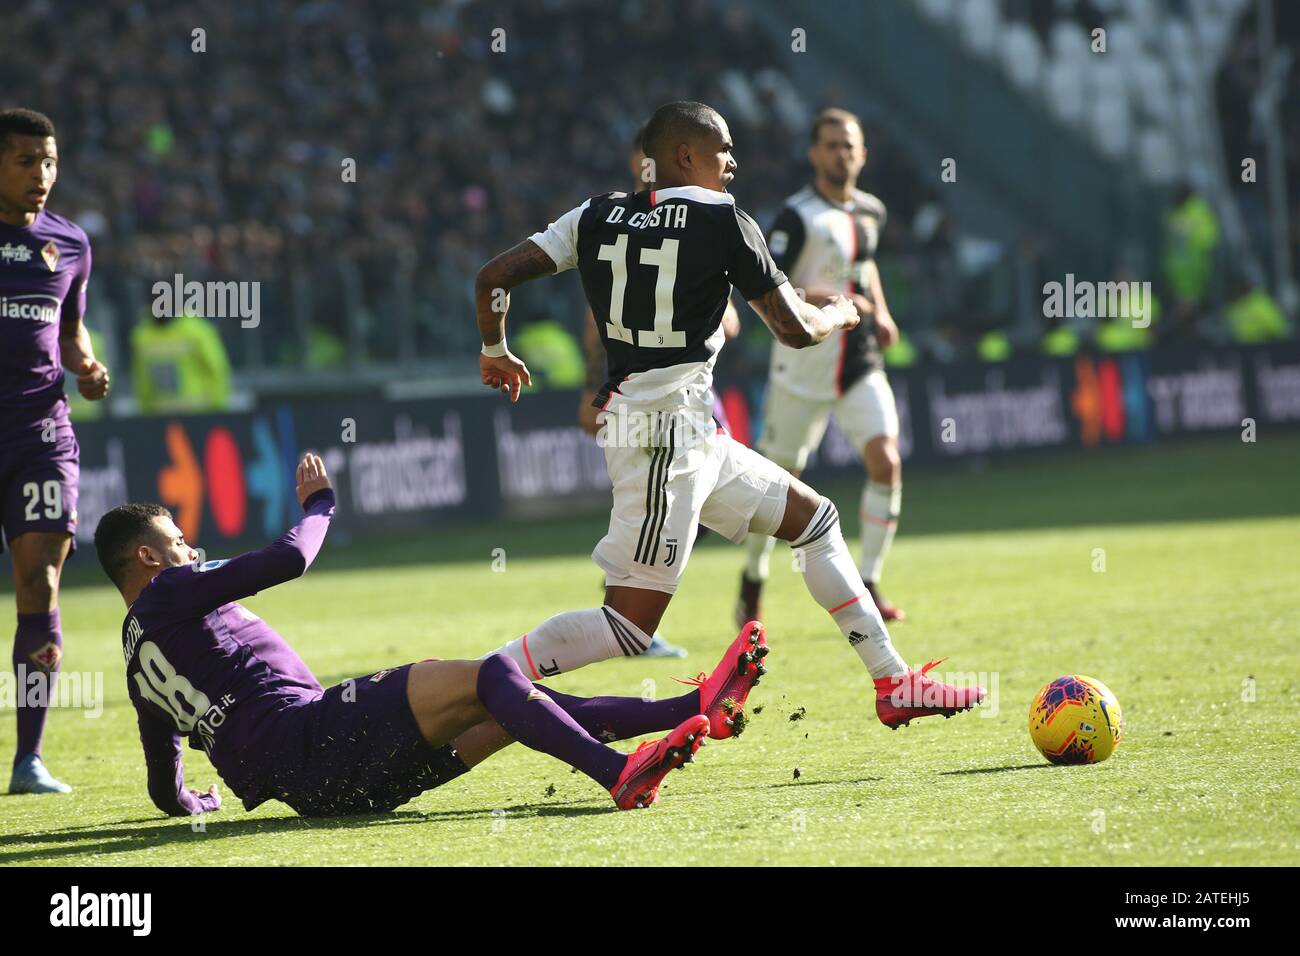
[199, 664]
[44, 268]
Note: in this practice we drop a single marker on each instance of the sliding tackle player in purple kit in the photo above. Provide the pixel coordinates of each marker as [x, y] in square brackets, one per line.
[201, 665]
[44, 267]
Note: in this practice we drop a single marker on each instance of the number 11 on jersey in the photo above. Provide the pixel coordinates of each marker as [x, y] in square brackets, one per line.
[665, 259]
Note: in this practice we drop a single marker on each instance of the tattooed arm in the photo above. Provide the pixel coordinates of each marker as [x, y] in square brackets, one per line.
[511, 268]
[798, 324]
[505, 373]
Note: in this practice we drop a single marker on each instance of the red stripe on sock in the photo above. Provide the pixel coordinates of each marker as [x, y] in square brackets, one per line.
[846, 604]
[529, 658]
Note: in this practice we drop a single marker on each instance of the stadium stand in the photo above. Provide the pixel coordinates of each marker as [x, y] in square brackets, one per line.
[227, 162]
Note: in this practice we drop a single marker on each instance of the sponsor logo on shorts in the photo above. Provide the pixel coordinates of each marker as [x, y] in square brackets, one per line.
[377, 676]
[536, 694]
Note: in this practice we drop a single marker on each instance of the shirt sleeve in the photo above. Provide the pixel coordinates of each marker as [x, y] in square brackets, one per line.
[786, 239]
[164, 768]
[560, 240]
[750, 267]
[74, 303]
[203, 588]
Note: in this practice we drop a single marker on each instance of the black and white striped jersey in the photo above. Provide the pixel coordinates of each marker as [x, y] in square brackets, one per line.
[657, 267]
[826, 245]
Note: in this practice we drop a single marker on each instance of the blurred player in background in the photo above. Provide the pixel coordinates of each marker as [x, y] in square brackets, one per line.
[201, 665]
[596, 373]
[44, 267]
[825, 240]
[657, 267]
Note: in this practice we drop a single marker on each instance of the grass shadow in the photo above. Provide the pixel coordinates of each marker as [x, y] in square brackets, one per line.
[125, 838]
[1023, 766]
[822, 783]
[129, 836]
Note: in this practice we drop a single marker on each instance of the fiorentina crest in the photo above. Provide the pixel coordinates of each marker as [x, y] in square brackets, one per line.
[50, 253]
[48, 657]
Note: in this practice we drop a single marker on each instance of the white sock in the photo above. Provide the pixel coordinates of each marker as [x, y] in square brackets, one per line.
[758, 555]
[574, 639]
[880, 508]
[835, 584]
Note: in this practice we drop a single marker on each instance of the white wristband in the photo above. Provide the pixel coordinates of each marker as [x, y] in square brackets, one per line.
[495, 351]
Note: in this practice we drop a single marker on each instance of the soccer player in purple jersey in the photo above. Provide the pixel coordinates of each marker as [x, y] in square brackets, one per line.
[44, 267]
[201, 665]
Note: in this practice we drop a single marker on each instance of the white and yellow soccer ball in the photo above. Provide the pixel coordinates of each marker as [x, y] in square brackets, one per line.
[1076, 719]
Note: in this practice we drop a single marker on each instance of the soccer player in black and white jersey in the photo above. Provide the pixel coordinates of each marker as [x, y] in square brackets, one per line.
[657, 267]
[825, 240]
[596, 372]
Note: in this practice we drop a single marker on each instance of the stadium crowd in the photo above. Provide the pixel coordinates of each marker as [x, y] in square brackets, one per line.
[197, 140]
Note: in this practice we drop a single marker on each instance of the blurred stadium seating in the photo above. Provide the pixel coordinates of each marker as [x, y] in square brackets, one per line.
[226, 164]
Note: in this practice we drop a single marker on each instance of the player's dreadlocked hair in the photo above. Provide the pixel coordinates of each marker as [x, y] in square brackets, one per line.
[119, 532]
[675, 123]
[21, 122]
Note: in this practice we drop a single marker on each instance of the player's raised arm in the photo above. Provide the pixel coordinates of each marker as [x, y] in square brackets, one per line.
[799, 324]
[166, 772]
[205, 588]
[754, 272]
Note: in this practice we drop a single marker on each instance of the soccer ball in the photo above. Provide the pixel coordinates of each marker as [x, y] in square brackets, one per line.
[1075, 719]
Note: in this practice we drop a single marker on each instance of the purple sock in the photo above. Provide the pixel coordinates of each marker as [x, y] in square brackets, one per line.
[38, 648]
[532, 718]
[621, 718]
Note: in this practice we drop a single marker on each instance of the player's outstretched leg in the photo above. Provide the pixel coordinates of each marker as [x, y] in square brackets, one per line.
[638, 785]
[721, 696]
[574, 639]
[724, 692]
[622, 718]
[833, 580]
[529, 715]
[659, 645]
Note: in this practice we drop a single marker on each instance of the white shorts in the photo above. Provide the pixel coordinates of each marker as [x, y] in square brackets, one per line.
[665, 487]
[793, 426]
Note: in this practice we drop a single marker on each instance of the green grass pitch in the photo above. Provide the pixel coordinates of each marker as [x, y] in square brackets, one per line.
[1193, 624]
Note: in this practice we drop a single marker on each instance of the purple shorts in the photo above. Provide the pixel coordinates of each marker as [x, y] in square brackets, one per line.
[356, 749]
[39, 466]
